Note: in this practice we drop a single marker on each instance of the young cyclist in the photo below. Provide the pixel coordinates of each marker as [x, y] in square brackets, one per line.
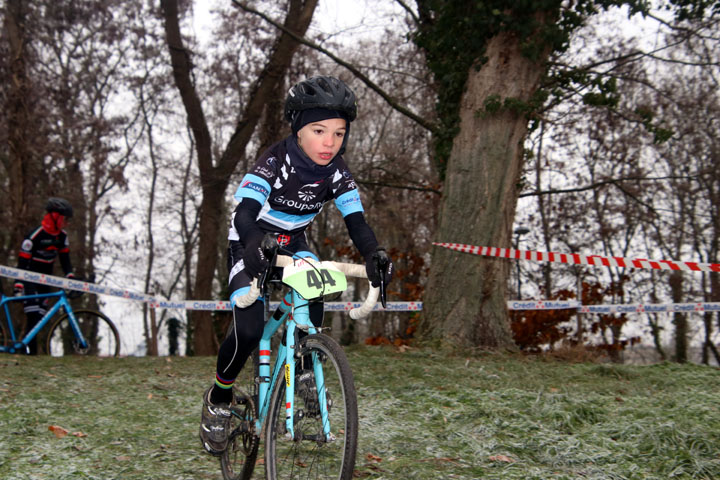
[281, 195]
[38, 252]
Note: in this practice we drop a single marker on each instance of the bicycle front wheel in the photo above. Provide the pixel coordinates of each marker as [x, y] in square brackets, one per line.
[313, 454]
[101, 334]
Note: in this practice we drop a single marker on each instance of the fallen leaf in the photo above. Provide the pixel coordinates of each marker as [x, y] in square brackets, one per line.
[95, 376]
[59, 432]
[123, 458]
[501, 458]
[374, 458]
[149, 397]
[79, 434]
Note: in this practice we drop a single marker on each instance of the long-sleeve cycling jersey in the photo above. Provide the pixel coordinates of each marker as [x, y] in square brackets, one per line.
[287, 202]
[40, 248]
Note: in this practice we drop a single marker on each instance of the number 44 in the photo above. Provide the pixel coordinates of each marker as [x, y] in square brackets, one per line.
[318, 282]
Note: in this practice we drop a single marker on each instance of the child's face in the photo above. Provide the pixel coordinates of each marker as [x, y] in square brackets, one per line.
[322, 140]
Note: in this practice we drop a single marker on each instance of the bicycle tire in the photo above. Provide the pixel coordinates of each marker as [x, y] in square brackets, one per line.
[98, 329]
[306, 456]
[238, 460]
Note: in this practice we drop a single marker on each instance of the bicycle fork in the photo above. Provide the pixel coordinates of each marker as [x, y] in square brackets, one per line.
[82, 343]
[296, 307]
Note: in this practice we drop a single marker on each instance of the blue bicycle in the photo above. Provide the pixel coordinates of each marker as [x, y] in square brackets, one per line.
[303, 402]
[74, 332]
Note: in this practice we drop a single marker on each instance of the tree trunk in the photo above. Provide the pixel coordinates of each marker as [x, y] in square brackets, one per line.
[465, 299]
[679, 318]
[21, 161]
[215, 178]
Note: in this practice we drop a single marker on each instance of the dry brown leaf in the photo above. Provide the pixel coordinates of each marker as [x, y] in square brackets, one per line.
[373, 458]
[79, 434]
[149, 397]
[501, 458]
[59, 432]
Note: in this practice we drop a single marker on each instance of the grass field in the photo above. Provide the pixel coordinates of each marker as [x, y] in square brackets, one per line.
[423, 415]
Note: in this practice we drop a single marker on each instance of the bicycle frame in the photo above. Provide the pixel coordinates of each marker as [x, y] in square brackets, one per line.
[17, 345]
[296, 308]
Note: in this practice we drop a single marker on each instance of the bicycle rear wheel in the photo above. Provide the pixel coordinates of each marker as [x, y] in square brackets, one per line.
[311, 455]
[102, 336]
[238, 460]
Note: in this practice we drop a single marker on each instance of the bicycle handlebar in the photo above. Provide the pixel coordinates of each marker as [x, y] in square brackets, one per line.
[349, 269]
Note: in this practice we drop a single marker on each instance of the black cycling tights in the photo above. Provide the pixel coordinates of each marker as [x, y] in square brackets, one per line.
[244, 337]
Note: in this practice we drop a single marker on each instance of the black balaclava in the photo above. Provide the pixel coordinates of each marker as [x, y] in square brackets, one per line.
[307, 170]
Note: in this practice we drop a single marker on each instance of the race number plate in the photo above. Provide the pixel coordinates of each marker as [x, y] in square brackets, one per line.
[313, 281]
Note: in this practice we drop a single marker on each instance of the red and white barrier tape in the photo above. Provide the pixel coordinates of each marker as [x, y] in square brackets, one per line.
[577, 259]
[217, 305]
[155, 302]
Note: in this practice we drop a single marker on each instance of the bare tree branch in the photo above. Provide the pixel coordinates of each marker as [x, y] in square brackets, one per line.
[362, 77]
[592, 186]
[400, 187]
[409, 11]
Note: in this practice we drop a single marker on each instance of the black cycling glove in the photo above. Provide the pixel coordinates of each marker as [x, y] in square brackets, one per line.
[254, 258]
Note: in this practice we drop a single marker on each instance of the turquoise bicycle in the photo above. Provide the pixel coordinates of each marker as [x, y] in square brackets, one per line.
[74, 332]
[303, 403]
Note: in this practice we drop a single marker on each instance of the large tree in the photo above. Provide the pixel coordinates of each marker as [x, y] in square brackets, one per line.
[490, 60]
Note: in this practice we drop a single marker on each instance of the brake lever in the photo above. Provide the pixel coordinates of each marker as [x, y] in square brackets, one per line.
[381, 262]
[269, 246]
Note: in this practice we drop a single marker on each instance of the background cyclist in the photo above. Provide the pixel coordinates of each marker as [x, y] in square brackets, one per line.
[41, 246]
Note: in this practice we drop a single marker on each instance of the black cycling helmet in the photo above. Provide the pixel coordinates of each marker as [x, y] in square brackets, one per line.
[321, 92]
[59, 205]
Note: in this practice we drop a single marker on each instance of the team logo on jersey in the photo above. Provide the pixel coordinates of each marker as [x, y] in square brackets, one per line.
[260, 170]
[301, 206]
[306, 195]
[255, 186]
[283, 240]
[27, 245]
[351, 200]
